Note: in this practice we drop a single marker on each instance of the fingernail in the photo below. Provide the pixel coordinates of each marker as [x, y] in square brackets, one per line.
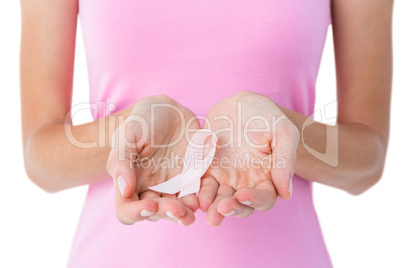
[290, 189]
[247, 202]
[230, 213]
[121, 182]
[179, 221]
[146, 213]
[170, 215]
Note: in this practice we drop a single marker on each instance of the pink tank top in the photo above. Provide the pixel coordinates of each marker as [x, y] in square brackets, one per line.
[200, 52]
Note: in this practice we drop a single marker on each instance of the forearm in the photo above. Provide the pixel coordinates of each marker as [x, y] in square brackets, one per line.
[58, 156]
[351, 158]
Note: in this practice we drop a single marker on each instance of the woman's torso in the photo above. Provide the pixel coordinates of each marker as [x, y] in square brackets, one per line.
[200, 52]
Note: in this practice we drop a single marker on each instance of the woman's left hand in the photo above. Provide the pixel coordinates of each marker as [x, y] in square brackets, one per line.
[256, 153]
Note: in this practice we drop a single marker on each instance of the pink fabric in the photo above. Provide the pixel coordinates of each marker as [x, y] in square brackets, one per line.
[200, 52]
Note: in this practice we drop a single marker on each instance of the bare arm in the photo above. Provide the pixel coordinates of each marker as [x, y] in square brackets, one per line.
[363, 54]
[46, 72]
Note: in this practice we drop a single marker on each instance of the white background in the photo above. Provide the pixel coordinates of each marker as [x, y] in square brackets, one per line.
[36, 229]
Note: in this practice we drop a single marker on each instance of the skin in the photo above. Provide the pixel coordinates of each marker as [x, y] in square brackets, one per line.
[134, 197]
[363, 53]
[236, 189]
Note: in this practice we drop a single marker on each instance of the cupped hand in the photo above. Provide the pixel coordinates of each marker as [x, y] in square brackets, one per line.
[255, 157]
[147, 148]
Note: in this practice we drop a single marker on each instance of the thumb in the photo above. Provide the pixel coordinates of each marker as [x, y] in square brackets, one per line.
[120, 166]
[283, 159]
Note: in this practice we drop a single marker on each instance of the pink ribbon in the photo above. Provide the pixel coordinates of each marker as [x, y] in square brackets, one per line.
[188, 182]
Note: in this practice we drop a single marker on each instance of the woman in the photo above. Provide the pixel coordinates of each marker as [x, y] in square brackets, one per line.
[210, 59]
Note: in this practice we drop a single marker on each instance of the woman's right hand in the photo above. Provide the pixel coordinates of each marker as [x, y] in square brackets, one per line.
[155, 135]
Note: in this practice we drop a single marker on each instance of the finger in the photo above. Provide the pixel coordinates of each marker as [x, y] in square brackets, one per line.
[188, 218]
[121, 169]
[284, 148]
[232, 207]
[190, 204]
[263, 197]
[130, 211]
[169, 209]
[190, 201]
[171, 196]
[214, 218]
[149, 194]
[152, 196]
[207, 194]
[122, 174]
[128, 139]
